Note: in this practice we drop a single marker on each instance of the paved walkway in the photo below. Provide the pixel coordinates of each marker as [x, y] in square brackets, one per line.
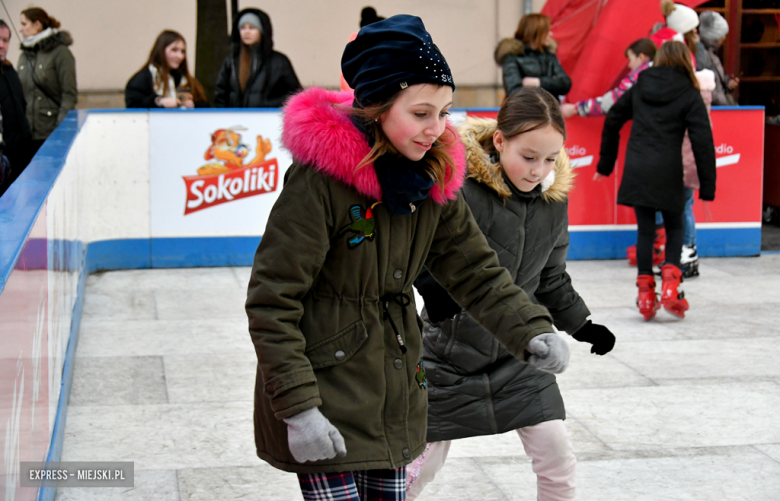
[680, 410]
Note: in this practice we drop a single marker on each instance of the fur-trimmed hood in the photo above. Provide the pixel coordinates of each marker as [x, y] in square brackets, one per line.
[48, 41]
[321, 135]
[477, 130]
[515, 47]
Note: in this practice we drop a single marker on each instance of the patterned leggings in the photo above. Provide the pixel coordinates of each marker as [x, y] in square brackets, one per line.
[367, 485]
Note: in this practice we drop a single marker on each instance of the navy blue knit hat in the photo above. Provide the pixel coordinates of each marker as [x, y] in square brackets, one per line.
[390, 55]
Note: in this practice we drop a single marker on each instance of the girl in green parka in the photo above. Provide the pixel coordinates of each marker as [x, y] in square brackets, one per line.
[47, 70]
[372, 196]
[518, 179]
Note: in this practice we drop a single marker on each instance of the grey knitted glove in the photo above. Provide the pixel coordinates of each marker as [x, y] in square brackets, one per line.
[549, 352]
[312, 437]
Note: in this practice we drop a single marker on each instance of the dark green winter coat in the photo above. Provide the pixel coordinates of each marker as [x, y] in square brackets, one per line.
[330, 263]
[51, 92]
[518, 61]
[475, 386]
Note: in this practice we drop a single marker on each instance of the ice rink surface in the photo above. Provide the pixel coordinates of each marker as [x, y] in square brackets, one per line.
[679, 410]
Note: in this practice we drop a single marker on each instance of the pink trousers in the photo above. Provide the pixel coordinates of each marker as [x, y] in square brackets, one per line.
[547, 444]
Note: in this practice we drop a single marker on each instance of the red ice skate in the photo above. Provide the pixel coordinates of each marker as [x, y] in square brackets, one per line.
[659, 249]
[672, 295]
[647, 301]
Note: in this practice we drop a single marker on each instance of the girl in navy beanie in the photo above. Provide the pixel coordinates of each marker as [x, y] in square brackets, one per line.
[372, 196]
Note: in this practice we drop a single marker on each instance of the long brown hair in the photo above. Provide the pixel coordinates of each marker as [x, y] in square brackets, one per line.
[437, 158]
[528, 109]
[532, 30]
[34, 14]
[676, 55]
[157, 59]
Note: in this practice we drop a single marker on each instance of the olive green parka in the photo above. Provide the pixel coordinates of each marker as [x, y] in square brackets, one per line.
[330, 302]
[47, 70]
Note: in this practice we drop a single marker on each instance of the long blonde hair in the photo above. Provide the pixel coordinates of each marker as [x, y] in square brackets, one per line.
[437, 158]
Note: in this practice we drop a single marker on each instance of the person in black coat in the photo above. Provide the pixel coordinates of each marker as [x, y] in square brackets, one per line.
[15, 136]
[529, 60]
[254, 75]
[664, 103]
[165, 81]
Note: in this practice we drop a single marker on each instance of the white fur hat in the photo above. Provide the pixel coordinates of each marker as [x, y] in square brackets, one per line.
[682, 19]
[713, 26]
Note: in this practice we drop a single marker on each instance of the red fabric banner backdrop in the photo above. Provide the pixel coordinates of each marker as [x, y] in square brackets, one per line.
[592, 37]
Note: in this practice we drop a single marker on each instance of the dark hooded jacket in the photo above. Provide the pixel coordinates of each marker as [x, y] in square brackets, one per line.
[271, 79]
[15, 128]
[663, 104]
[475, 387]
[47, 71]
[518, 61]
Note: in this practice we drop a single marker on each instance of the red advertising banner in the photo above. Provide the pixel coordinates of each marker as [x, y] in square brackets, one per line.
[207, 191]
[739, 147]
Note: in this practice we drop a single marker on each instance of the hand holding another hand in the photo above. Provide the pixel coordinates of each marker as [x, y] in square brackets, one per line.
[549, 352]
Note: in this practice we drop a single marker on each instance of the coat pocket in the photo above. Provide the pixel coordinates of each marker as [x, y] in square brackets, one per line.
[339, 348]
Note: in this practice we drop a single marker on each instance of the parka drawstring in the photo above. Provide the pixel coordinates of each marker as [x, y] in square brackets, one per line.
[401, 299]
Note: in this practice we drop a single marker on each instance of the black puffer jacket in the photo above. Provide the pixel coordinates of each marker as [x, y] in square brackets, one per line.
[271, 80]
[663, 104]
[518, 61]
[475, 387]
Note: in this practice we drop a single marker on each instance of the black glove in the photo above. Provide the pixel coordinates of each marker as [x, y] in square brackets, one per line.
[599, 336]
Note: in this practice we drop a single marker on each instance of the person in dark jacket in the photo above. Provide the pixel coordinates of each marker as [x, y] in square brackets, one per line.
[47, 71]
[529, 60]
[16, 138]
[372, 196]
[165, 80]
[519, 176]
[713, 29]
[664, 103]
[254, 75]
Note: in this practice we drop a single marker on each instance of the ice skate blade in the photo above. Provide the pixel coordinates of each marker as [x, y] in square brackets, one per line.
[677, 312]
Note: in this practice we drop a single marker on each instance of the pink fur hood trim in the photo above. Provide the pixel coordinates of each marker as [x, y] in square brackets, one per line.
[320, 135]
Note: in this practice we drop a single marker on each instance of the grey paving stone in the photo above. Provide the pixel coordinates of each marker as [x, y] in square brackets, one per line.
[587, 370]
[185, 304]
[211, 378]
[708, 358]
[258, 482]
[118, 381]
[165, 437]
[125, 304]
[714, 321]
[157, 485]
[167, 278]
[628, 325]
[735, 476]
[107, 338]
[679, 416]
[463, 479]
